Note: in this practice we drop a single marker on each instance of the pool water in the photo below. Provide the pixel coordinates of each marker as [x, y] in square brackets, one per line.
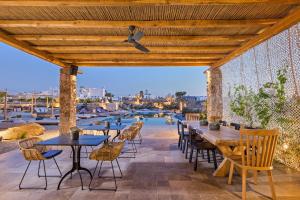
[147, 120]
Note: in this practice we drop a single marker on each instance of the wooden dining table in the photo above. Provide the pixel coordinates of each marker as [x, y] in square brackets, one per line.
[227, 140]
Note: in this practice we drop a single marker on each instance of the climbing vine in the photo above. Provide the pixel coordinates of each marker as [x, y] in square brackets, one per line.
[270, 99]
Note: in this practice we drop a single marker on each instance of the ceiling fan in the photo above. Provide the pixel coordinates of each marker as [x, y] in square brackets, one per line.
[134, 37]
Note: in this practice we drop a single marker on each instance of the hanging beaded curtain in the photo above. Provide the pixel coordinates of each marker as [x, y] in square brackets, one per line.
[258, 66]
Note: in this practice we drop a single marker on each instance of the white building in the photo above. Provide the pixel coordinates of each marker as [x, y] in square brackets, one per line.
[91, 93]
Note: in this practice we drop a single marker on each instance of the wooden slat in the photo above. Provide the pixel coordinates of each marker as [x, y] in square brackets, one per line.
[248, 150]
[291, 19]
[75, 3]
[217, 38]
[23, 46]
[259, 151]
[253, 152]
[143, 24]
[111, 57]
[128, 49]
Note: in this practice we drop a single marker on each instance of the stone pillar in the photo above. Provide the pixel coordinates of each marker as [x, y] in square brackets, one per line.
[67, 99]
[214, 94]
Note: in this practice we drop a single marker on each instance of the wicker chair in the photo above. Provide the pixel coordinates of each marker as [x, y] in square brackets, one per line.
[129, 135]
[33, 152]
[108, 152]
[258, 155]
[140, 125]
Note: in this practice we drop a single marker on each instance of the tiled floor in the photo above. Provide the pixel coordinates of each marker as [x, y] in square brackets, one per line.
[158, 172]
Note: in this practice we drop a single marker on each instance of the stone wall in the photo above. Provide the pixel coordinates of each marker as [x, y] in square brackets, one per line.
[258, 66]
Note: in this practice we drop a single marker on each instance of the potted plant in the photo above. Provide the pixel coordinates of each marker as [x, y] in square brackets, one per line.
[214, 124]
[75, 131]
[203, 119]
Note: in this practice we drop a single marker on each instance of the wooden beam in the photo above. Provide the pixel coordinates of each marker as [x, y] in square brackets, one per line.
[23, 46]
[111, 57]
[142, 64]
[76, 3]
[204, 61]
[143, 24]
[283, 24]
[131, 49]
[118, 39]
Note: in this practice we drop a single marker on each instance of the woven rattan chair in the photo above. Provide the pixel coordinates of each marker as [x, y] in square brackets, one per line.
[108, 152]
[33, 152]
[129, 136]
[140, 125]
[258, 155]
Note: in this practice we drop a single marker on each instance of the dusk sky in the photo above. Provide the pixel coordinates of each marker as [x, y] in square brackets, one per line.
[24, 72]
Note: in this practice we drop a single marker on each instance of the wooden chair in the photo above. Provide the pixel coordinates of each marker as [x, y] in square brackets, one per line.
[33, 152]
[259, 151]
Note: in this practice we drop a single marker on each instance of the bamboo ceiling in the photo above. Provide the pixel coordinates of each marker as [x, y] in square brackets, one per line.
[178, 33]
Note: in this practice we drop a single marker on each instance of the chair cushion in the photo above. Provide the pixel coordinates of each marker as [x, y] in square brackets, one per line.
[51, 153]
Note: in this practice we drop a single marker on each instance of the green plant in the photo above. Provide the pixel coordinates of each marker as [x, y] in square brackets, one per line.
[203, 116]
[242, 104]
[23, 135]
[271, 99]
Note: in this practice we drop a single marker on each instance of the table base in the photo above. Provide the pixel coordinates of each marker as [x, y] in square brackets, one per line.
[76, 166]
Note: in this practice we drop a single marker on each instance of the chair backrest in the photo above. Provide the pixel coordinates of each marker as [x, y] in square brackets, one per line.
[259, 147]
[192, 116]
[109, 151]
[129, 134]
[179, 127]
[192, 134]
[29, 150]
[183, 126]
[140, 124]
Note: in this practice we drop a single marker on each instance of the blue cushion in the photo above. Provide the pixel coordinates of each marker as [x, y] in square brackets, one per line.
[51, 153]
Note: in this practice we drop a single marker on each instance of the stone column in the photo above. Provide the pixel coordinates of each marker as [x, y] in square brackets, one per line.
[214, 94]
[67, 99]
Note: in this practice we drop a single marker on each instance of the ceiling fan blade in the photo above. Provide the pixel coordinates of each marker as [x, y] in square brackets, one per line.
[138, 35]
[141, 47]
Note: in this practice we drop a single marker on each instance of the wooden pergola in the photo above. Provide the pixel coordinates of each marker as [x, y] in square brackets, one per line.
[178, 33]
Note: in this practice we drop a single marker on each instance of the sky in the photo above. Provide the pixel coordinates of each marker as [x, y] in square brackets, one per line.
[23, 72]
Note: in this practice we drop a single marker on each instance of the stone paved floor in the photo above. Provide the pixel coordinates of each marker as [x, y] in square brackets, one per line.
[159, 172]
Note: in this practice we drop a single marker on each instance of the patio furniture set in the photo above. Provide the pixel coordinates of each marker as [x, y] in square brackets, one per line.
[34, 149]
[242, 150]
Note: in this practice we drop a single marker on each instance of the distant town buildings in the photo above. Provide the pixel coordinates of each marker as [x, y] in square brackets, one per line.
[91, 93]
